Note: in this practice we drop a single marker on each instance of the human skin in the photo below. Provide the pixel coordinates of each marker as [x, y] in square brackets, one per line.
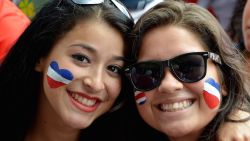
[246, 25]
[94, 61]
[235, 131]
[183, 123]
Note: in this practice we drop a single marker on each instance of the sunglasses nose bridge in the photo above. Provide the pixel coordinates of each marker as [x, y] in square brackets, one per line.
[166, 63]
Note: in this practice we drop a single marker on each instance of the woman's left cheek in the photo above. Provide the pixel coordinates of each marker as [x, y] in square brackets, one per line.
[57, 77]
[211, 93]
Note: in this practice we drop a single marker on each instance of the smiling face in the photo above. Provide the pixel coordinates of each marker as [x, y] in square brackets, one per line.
[246, 25]
[177, 109]
[81, 77]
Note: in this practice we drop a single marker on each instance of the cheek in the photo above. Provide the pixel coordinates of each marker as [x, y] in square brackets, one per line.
[247, 10]
[140, 97]
[57, 77]
[144, 106]
[48, 90]
[211, 93]
[114, 88]
[211, 86]
[143, 103]
[208, 91]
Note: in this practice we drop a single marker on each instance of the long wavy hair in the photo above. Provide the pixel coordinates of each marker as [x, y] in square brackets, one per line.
[205, 27]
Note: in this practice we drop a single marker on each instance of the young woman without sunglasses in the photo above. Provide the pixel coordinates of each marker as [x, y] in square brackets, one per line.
[188, 76]
[65, 70]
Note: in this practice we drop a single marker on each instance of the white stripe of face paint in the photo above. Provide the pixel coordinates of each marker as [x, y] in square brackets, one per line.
[141, 100]
[212, 90]
[54, 75]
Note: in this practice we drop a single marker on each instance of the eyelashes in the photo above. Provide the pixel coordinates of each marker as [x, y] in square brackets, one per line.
[82, 60]
[114, 69]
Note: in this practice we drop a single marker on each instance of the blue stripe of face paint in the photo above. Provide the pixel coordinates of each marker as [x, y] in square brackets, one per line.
[63, 72]
[213, 83]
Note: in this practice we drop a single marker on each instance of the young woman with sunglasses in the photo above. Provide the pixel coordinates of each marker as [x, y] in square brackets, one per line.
[188, 77]
[64, 71]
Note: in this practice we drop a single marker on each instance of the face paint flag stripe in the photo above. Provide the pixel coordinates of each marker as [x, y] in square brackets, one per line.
[53, 83]
[211, 100]
[213, 83]
[140, 97]
[211, 93]
[211, 89]
[57, 77]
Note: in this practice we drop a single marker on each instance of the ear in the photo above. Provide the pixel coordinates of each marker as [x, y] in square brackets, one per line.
[223, 90]
[40, 65]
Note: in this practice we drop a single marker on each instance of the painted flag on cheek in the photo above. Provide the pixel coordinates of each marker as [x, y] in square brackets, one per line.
[211, 93]
[57, 77]
[140, 97]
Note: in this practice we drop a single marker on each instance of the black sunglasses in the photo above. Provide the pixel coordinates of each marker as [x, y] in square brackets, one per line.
[187, 68]
[117, 4]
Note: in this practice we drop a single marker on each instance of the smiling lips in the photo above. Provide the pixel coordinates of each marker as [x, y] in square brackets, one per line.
[84, 102]
[172, 107]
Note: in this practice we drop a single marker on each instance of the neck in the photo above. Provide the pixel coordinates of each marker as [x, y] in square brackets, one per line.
[183, 139]
[190, 137]
[43, 132]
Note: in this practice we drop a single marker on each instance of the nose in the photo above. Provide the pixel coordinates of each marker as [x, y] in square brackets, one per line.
[169, 83]
[94, 82]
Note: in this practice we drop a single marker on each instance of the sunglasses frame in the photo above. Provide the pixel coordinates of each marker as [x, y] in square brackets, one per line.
[117, 4]
[168, 63]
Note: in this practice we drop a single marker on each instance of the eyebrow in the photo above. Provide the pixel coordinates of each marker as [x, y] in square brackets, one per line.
[91, 49]
[84, 46]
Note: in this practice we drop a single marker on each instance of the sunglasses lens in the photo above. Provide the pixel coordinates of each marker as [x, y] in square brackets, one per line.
[146, 76]
[189, 68]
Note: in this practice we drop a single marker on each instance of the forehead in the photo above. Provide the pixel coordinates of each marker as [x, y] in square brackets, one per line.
[167, 42]
[96, 34]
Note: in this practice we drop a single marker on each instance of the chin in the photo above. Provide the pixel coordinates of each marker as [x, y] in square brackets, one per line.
[81, 125]
[176, 131]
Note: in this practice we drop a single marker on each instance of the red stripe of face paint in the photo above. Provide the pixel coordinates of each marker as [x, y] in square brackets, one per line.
[211, 100]
[53, 83]
[140, 95]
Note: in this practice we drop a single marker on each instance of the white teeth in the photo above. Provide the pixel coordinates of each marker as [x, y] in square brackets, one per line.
[83, 100]
[175, 106]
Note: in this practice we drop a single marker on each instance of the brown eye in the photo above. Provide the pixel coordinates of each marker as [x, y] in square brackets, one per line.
[81, 58]
[114, 69]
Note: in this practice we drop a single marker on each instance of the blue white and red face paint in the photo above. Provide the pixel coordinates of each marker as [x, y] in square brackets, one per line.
[140, 97]
[57, 77]
[211, 93]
